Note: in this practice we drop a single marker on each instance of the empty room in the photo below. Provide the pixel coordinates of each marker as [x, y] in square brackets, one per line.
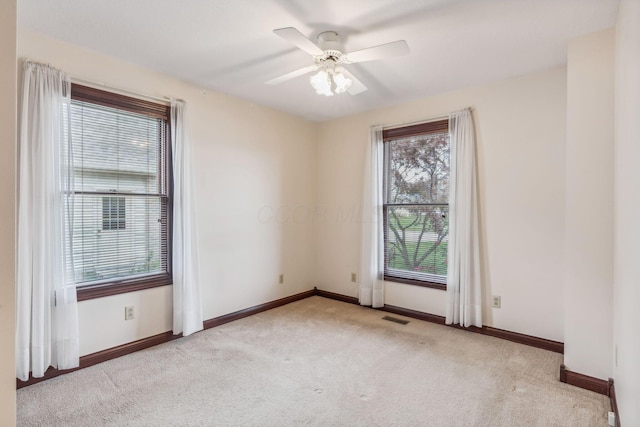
[330, 213]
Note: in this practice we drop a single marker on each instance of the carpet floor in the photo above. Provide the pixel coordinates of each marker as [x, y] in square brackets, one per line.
[319, 362]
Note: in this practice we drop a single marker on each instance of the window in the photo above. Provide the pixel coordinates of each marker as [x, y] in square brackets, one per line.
[121, 203]
[416, 204]
[114, 214]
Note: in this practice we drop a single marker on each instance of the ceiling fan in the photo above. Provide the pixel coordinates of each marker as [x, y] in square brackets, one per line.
[329, 58]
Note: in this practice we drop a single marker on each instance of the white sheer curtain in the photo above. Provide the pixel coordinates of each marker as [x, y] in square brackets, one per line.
[46, 305]
[187, 305]
[464, 300]
[371, 289]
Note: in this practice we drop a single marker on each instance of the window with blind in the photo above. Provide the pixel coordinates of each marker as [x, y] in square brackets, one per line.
[121, 200]
[416, 204]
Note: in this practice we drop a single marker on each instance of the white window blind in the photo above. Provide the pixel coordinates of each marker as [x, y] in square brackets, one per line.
[120, 208]
[416, 202]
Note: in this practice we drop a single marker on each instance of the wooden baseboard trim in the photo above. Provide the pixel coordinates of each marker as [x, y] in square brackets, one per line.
[584, 381]
[221, 320]
[103, 356]
[517, 337]
[338, 297]
[121, 350]
[532, 341]
[614, 402]
[545, 344]
[433, 318]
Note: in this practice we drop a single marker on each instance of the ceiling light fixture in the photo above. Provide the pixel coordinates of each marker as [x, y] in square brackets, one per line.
[328, 56]
[330, 80]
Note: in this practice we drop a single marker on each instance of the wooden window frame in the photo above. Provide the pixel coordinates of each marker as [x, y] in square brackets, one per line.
[399, 133]
[151, 109]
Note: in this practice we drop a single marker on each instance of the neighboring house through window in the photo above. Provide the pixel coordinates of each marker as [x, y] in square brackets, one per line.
[121, 215]
[416, 204]
[114, 213]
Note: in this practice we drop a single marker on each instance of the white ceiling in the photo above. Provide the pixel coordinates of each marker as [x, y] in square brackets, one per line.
[228, 45]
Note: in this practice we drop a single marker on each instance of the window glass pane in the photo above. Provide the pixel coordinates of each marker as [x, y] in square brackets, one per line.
[101, 252]
[418, 169]
[416, 241]
[115, 150]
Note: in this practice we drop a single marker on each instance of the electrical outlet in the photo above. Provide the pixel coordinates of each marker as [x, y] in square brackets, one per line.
[281, 279]
[129, 313]
[353, 277]
[497, 301]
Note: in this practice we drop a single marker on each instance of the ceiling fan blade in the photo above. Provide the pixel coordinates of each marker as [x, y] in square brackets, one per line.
[356, 85]
[292, 75]
[397, 48]
[296, 38]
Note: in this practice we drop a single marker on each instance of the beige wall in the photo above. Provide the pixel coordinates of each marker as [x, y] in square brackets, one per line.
[7, 210]
[588, 279]
[520, 126]
[626, 371]
[254, 184]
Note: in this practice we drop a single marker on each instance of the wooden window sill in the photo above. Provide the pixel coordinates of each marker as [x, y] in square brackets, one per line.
[432, 285]
[114, 288]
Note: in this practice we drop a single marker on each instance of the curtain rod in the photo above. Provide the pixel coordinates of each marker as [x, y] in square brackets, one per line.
[98, 85]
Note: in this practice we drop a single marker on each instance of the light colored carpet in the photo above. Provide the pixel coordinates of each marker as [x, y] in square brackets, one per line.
[319, 362]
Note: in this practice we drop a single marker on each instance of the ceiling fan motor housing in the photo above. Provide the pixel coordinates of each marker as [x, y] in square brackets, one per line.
[329, 42]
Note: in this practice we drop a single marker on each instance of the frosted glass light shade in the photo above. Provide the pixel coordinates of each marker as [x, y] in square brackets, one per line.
[321, 82]
[342, 82]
